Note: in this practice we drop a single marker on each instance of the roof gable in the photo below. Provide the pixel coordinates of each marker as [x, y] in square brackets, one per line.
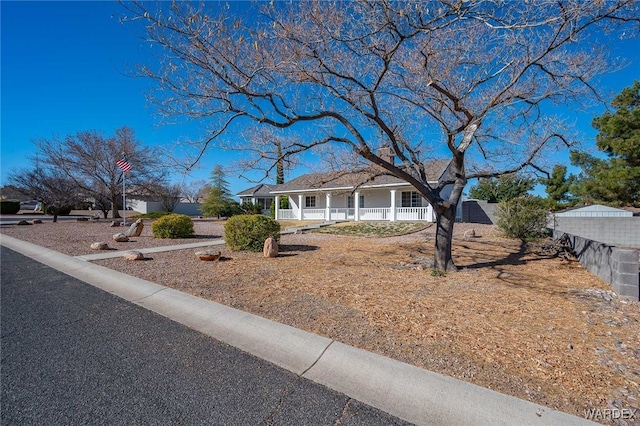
[260, 190]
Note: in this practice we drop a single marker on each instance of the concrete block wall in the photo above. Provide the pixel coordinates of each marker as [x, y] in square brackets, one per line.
[615, 231]
[478, 211]
[618, 267]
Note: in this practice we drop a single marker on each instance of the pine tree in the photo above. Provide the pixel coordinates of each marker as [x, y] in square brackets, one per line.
[615, 180]
[218, 201]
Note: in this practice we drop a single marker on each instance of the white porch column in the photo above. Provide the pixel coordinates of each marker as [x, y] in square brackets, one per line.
[299, 206]
[356, 205]
[277, 207]
[327, 215]
[392, 216]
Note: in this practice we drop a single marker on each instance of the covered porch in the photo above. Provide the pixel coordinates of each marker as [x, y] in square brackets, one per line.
[372, 205]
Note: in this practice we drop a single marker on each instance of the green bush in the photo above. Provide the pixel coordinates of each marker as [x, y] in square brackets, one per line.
[172, 226]
[9, 206]
[62, 211]
[248, 232]
[523, 217]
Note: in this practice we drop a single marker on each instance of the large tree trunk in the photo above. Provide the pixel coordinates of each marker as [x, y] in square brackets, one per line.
[114, 208]
[445, 219]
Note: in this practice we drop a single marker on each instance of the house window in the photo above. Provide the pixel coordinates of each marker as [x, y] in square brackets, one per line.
[310, 201]
[410, 199]
[265, 203]
[351, 204]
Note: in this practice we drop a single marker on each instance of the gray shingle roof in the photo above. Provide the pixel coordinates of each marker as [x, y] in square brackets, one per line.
[349, 180]
[260, 190]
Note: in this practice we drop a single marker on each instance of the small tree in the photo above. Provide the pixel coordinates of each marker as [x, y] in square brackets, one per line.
[218, 201]
[504, 188]
[169, 195]
[524, 217]
[53, 188]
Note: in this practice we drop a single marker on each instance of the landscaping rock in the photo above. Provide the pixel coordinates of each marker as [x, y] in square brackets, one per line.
[36, 221]
[23, 222]
[469, 234]
[82, 219]
[100, 246]
[208, 255]
[133, 255]
[135, 229]
[115, 223]
[270, 248]
[120, 238]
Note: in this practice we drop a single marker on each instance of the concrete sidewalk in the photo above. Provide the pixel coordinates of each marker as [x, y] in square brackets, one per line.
[405, 391]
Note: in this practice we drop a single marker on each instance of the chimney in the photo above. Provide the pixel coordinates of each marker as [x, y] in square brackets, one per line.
[387, 154]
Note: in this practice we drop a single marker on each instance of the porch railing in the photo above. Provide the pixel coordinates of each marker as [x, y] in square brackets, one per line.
[287, 214]
[342, 214]
[412, 213]
[376, 213]
[313, 214]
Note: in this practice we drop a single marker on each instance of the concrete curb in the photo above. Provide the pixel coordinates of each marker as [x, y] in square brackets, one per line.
[405, 391]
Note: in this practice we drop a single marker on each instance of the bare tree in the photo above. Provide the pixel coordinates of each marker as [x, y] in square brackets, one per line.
[89, 159]
[49, 186]
[168, 195]
[469, 80]
[195, 191]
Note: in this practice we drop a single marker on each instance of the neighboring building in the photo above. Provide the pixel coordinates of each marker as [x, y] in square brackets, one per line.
[595, 210]
[352, 196]
[259, 194]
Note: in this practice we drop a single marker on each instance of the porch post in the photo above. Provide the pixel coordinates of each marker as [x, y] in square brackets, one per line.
[299, 206]
[356, 205]
[328, 211]
[277, 207]
[392, 216]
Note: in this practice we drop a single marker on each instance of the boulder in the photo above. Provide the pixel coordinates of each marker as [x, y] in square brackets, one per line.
[469, 234]
[208, 255]
[270, 248]
[100, 246]
[120, 238]
[115, 223]
[135, 229]
[23, 222]
[133, 255]
[36, 221]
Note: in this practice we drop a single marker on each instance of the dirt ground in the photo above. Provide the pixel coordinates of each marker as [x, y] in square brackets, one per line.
[513, 319]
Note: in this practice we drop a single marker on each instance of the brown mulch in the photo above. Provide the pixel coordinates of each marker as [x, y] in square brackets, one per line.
[513, 319]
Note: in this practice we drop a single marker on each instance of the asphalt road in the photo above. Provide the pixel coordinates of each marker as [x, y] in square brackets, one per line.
[74, 354]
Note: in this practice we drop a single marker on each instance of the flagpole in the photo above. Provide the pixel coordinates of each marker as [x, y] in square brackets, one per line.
[124, 201]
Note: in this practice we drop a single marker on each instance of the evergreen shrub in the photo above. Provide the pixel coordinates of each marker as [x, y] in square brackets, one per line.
[525, 218]
[248, 232]
[9, 206]
[173, 226]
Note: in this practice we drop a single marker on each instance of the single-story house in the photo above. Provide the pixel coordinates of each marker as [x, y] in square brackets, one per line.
[349, 196]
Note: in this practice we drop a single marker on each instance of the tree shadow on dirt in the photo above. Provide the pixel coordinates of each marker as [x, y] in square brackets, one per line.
[503, 266]
[286, 250]
[513, 258]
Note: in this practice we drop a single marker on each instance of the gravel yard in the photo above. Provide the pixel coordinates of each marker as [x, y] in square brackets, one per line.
[513, 319]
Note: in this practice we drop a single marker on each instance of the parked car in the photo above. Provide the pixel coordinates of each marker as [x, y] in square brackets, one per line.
[29, 205]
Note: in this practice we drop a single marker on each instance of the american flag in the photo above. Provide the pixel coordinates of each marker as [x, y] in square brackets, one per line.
[123, 164]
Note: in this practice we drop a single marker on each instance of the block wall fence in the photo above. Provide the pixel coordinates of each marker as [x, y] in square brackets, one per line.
[618, 267]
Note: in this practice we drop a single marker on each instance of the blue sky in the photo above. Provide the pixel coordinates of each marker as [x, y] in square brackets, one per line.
[63, 70]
